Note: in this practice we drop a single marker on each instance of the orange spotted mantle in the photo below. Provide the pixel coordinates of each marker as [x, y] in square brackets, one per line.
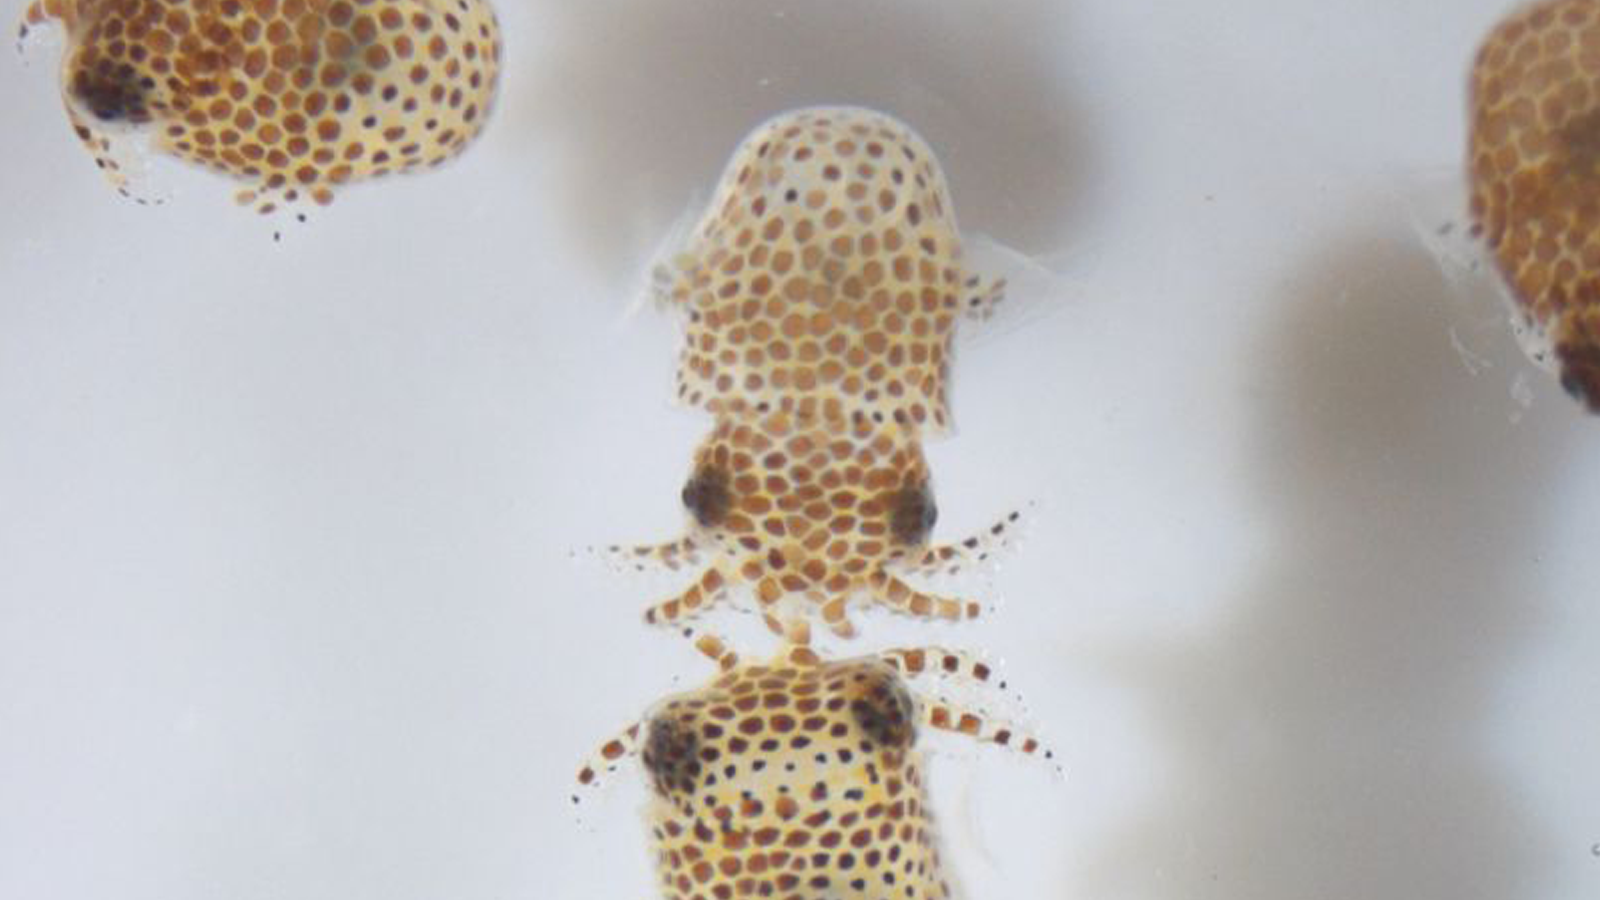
[826, 277]
[293, 97]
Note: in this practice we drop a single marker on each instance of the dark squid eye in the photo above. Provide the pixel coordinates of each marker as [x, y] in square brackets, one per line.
[671, 755]
[912, 514]
[707, 497]
[112, 93]
[1580, 373]
[884, 712]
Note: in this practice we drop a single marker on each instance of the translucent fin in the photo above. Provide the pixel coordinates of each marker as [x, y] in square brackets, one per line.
[1009, 291]
[983, 296]
[662, 283]
[1436, 204]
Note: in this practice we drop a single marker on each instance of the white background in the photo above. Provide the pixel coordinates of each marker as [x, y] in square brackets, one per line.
[1309, 602]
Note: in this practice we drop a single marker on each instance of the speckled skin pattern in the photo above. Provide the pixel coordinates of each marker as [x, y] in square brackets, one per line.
[292, 97]
[826, 276]
[1535, 166]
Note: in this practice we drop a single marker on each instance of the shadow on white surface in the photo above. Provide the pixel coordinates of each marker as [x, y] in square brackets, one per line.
[646, 100]
[1326, 737]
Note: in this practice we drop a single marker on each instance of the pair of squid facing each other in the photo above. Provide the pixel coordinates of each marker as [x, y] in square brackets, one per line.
[819, 297]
